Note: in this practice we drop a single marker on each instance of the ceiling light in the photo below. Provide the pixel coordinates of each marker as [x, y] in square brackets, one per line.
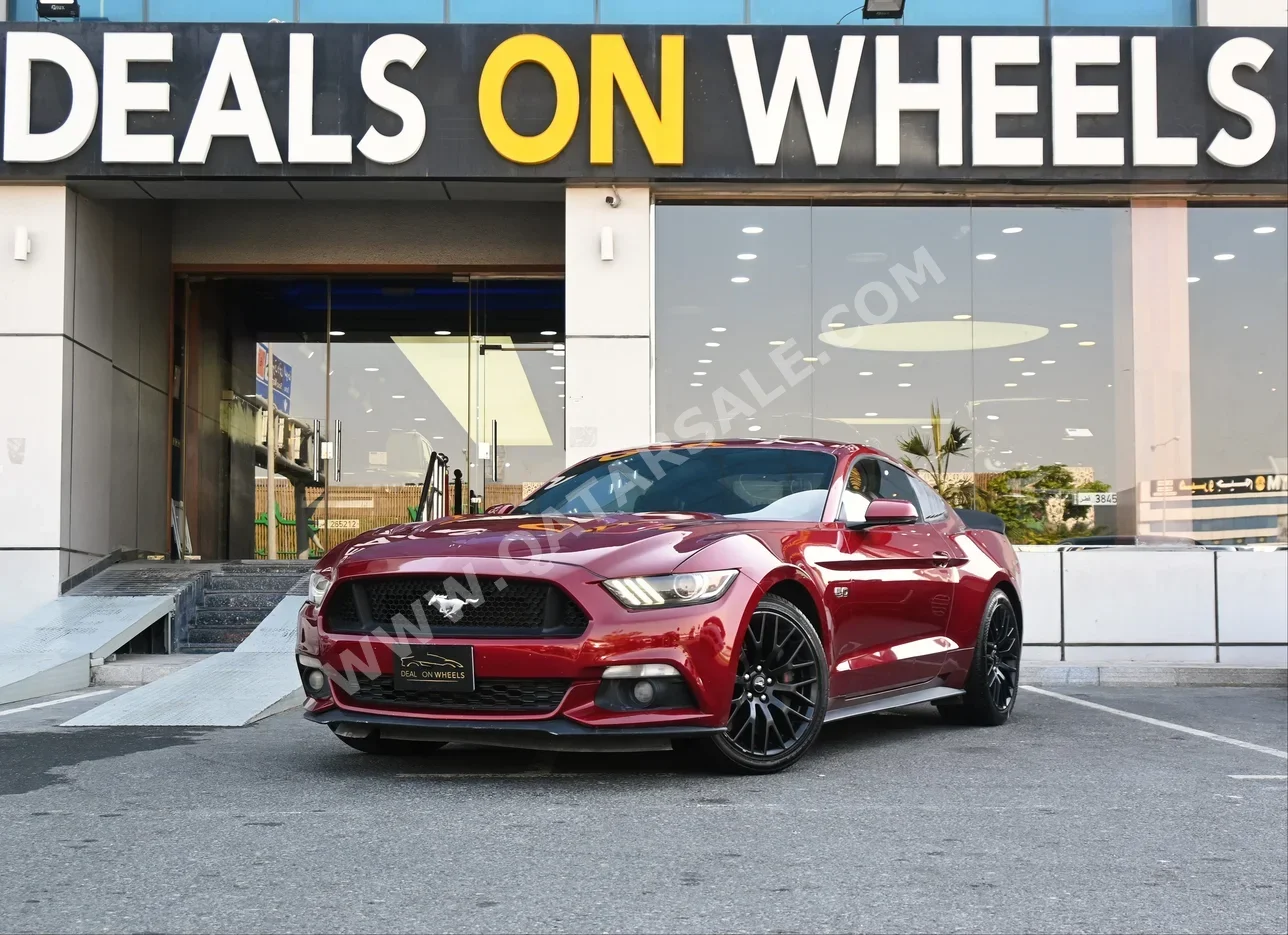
[369, 432]
[994, 418]
[370, 410]
[399, 397]
[865, 373]
[713, 344]
[1086, 344]
[437, 438]
[961, 318]
[1007, 451]
[699, 373]
[549, 334]
[809, 360]
[704, 360]
[556, 368]
[1191, 279]
[752, 230]
[986, 256]
[905, 385]
[561, 396]
[419, 419]
[740, 279]
[1263, 230]
[869, 414]
[337, 334]
[905, 365]
[1027, 373]
[1069, 324]
[776, 343]
[1064, 400]
[746, 256]
[559, 383]
[371, 369]
[1222, 257]
[1010, 384]
[1011, 230]
[1016, 360]
[836, 324]
[1048, 361]
[925, 426]
[695, 384]
[1078, 433]
[442, 333]
[753, 428]
[718, 330]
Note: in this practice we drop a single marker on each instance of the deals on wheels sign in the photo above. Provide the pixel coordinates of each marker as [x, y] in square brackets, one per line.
[94, 100]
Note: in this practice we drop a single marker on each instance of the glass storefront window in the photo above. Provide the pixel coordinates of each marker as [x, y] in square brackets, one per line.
[666, 12]
[116, 11]
[1238, 381]
[991, 328]
[959, 13]
[510, 11]
[1122, 12]
[224, 11]
[809, 12]
[387, 11]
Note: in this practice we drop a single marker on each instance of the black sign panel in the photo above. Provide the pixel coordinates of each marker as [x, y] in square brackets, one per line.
[1209, 486]
[1190, 105]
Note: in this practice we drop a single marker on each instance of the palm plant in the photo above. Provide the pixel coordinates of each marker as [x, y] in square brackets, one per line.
[933, 453]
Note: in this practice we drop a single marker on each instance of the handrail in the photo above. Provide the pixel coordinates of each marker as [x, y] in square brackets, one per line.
[433, 492]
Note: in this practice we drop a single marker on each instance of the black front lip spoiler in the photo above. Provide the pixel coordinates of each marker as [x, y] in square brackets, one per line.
[552, 734]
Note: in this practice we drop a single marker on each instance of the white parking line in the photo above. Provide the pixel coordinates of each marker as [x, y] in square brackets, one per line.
[1271, 777]
[1282, 754]
[46, 704]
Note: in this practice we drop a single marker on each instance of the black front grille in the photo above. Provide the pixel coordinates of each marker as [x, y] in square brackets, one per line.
[496, 607]
[529, 696]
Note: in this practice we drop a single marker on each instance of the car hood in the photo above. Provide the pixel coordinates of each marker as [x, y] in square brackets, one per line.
[607, 546]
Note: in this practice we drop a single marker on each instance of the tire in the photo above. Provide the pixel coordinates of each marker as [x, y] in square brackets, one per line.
[376, 745]
[992, 683]
[771, 725]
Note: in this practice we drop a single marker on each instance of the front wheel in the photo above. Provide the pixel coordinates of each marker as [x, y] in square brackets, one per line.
[994, 677]
[376, 745]
[779, 696]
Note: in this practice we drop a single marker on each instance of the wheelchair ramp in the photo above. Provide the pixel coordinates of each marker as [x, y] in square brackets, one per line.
[49, 650]
[229, 689]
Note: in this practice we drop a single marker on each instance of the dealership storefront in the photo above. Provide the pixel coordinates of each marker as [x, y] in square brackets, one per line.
[517, 248]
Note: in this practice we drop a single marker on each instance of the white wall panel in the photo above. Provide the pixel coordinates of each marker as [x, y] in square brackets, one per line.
[1252, 597]
[31, 433]
[1128, 596]
[1255, 656]
[27, 580]
[1242, 13]
[94, 291]
[608, 297]
[607, 395]
[1040, 595]
[34, 300]
[1109, 653]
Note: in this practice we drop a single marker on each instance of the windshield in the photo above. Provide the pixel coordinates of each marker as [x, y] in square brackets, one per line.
[741, 483]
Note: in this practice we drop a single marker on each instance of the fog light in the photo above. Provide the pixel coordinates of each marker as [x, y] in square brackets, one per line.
[643, 693]
[316, 680]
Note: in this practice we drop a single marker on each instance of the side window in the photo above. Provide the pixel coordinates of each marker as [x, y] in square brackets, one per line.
[859, 491]
[894, 483]
[933, 508]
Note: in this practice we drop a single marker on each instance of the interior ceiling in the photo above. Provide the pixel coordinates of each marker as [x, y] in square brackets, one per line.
[327, 190]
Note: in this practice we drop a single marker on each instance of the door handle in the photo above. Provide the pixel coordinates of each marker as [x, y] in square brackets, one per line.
[316, 444]
[339, 450]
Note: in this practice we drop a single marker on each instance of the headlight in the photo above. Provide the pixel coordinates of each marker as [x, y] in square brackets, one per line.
[319, 584]
[696, 587]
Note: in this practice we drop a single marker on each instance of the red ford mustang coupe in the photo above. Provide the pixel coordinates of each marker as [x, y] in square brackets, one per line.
[727, 598]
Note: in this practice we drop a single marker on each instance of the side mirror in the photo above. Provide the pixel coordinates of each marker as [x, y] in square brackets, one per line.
[499, 509]
[887, 513]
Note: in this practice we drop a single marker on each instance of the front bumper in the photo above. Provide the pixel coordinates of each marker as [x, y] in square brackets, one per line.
[698, 641]
[548, 734]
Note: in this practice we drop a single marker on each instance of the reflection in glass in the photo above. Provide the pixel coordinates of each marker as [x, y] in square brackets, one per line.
[679, 12]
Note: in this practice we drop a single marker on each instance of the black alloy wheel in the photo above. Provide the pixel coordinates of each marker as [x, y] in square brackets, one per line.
[780, 693]
[994, 678]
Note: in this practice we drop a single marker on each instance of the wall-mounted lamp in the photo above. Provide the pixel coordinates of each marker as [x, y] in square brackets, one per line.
[21, 244]
[605, 243]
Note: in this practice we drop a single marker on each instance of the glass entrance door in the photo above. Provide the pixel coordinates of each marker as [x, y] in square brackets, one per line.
[517, 410]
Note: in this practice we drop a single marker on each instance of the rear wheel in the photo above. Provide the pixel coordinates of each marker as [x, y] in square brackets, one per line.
[779, 696]
[994, 677]
[376, 745]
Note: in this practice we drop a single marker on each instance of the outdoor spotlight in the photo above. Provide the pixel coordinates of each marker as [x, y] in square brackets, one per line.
[882, 9]
[58, 10]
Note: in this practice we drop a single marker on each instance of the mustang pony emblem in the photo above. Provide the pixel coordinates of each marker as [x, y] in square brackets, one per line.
[452, 607]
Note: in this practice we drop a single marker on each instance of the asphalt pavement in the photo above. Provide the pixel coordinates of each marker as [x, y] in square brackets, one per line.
[1069, 819]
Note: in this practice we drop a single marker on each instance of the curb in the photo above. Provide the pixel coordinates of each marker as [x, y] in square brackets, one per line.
[1048, 675]
[140, 670]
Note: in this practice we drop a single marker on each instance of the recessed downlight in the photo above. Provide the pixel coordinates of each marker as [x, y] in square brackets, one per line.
[337, 334]
[746, 256]
[986, 256]
[718, 330]
[993, 418]
[549, 334]
[1222, 257]
[753, 428]
[809, 360]
[371, 369]
[1016, 360]
[904, 385]
[777, 343]
[1028, 373]
[905, 364]
[442, 333]
[1191, 278]
[753, 230]
[961, 318]
[1263, 230]
[713, 344]
[1069, 324]
[869, 414]
[705, 360]
[1048, 361]
[1086, 344]
[556, 368]
[699, 373]
[695, 384]
[398, 397]
[865, 373]
[1011, 230]
[1010, 384]
[740, 279]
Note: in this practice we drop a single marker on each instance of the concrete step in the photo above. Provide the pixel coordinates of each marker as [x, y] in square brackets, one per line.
[225, 637]
[241, 600]
[279, 584]
[228, 617]
[1195, 674]
[139, 669]
[266, 568]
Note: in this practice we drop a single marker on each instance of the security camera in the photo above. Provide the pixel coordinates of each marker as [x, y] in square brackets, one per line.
[614, 200]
